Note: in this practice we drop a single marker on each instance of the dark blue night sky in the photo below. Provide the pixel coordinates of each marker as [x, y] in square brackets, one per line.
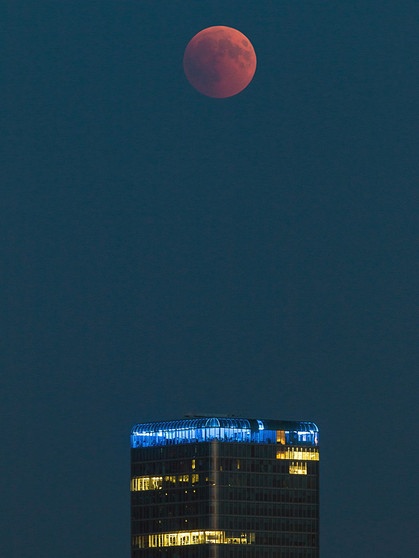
[163, 253]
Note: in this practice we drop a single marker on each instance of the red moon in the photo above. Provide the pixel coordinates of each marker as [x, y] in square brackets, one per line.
[219, 61]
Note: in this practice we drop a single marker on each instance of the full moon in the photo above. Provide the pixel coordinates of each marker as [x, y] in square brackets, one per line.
[219, 61]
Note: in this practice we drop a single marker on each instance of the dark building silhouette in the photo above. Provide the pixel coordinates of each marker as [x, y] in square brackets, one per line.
[225, 487]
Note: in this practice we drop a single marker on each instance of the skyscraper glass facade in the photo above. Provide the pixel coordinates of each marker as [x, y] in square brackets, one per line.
[225, 487]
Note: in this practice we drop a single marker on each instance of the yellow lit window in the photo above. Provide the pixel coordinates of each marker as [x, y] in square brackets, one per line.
[302, 454]
[156, 483]
[183, 538]
[280, 437]
[298, 468]
[244, 538]
[171, 479]
[146, 483]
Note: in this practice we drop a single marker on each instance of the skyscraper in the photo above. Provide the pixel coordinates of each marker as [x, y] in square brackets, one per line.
[225, 487]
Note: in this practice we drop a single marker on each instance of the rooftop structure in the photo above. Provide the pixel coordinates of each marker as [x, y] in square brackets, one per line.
[224, 429]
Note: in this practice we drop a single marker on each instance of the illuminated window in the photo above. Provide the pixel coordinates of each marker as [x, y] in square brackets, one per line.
[302, 454]
[139, 484]
[298, 468]
[183, 538]
[146, 483]
[280, 437]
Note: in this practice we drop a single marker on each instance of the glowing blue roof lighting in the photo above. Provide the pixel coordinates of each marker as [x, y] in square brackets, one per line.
[225, 429]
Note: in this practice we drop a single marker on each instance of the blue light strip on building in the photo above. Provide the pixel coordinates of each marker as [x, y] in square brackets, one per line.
[203, 429]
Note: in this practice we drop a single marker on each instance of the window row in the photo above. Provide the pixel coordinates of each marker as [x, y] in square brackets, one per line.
[228, 466]
[183, 538]
[190, 494]
[201, 513]
[139, 484]
[230, 551]
[205, 537]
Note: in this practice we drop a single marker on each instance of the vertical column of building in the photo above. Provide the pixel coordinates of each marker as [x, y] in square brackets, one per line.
[214, 489]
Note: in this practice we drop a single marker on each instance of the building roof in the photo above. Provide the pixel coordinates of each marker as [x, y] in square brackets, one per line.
[226, 429]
